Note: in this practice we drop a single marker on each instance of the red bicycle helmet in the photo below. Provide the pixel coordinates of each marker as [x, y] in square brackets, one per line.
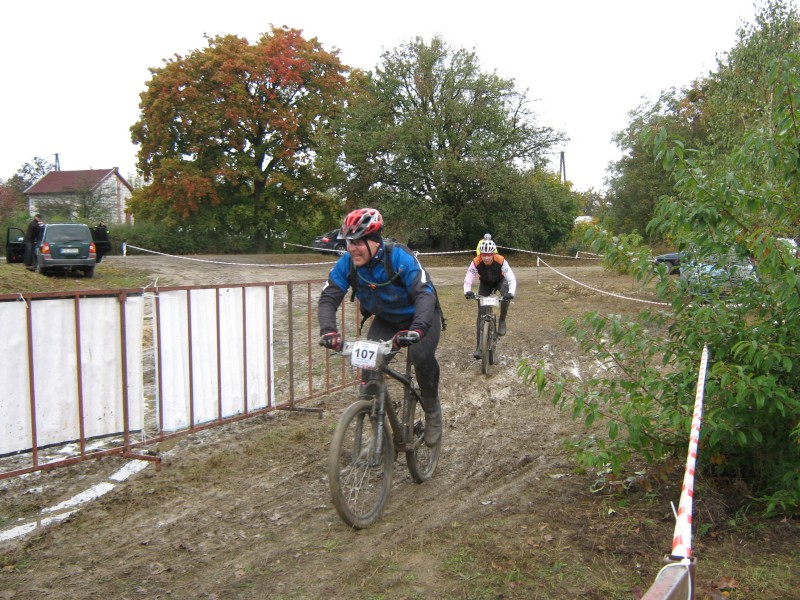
[362, 223]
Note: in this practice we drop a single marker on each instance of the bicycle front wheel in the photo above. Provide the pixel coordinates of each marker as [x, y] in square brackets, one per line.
[359, 466]
[492, 342]
[485, 347]
[420, 458]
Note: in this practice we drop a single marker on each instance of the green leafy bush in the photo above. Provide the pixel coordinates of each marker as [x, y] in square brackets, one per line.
[741, 203]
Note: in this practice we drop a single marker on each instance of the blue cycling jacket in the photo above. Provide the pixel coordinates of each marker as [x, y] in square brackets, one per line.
[408, 301]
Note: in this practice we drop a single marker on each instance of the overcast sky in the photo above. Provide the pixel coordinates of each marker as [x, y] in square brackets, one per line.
[72, 72]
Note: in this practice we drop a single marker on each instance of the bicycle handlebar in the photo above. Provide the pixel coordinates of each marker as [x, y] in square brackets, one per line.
[492, 296]
[384, 348]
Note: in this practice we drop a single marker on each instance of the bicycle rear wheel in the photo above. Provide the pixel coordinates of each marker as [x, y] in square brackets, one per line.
[421, 459]
[359, 478]
[485, 346]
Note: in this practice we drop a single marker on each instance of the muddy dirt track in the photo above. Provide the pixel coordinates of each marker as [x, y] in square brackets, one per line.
[242, 511]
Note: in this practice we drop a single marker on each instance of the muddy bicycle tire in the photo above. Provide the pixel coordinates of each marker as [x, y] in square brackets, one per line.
[359, 486]
[492, 342]
[420, 459]
[485, 347]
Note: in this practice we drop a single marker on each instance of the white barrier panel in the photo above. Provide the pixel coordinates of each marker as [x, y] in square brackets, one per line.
[215, 383]
[56, 357]
[259, 300]
[15, 406]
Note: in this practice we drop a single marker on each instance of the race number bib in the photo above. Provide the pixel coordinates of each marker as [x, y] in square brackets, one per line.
[489, 301]
[365, 354]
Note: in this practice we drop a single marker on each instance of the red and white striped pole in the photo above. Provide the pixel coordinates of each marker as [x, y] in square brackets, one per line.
[682, 539]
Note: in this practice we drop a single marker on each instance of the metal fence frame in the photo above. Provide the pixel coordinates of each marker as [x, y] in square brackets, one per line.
[307, 375]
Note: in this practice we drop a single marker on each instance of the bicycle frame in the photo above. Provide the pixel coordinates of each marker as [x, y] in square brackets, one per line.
[402, 430]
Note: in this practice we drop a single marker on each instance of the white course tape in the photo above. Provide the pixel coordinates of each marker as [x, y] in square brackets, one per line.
[588, 287]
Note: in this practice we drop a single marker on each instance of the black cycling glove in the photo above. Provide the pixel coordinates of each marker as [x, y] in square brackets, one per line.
[332, 341]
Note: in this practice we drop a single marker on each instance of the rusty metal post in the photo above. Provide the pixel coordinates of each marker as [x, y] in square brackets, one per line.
[343, 329]
[219, 355]
[126, 428]
[32, 386]
[308, 335]
[159, 362]
[244, 351]
[268, 308]
[290, 309]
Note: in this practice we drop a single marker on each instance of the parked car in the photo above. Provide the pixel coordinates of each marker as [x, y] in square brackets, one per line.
[15, 245]
[331, 241]
[65, 247]
[672, 260]
[717, 274]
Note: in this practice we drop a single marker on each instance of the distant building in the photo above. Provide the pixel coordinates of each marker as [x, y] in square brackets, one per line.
[94, 194]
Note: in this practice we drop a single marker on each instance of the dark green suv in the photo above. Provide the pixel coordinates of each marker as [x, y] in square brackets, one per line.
[65, 247]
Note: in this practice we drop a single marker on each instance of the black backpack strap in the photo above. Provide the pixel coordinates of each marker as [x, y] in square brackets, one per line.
[388, 247]
[352, 279]
[439, 308]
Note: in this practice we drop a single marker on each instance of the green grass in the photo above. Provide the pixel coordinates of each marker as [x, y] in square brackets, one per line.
[15, 279]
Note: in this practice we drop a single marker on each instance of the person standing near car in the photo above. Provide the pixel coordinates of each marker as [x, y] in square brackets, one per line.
[102, 244]
[404, 305]
[494, 274]
[31, 237]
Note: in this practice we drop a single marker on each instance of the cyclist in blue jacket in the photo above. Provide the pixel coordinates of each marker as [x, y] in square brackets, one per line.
[404, 307]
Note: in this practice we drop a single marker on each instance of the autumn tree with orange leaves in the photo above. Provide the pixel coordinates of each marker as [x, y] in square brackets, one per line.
[231, 137]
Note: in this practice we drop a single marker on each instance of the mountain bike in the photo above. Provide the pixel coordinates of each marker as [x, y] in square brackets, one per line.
[371, 431]
[488, 330]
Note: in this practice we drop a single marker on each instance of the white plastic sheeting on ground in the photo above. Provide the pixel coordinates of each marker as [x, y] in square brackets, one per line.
[60, 354]
[220, 383]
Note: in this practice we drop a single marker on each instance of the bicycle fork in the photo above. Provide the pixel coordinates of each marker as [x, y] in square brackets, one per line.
[375, 392]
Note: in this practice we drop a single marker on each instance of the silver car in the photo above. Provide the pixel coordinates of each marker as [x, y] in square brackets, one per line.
[716, 274]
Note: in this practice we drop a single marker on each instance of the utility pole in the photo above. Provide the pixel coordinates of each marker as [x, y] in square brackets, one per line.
[562, 169]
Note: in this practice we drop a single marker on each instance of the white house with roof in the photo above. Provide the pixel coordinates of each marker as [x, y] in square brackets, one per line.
[102, 192]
